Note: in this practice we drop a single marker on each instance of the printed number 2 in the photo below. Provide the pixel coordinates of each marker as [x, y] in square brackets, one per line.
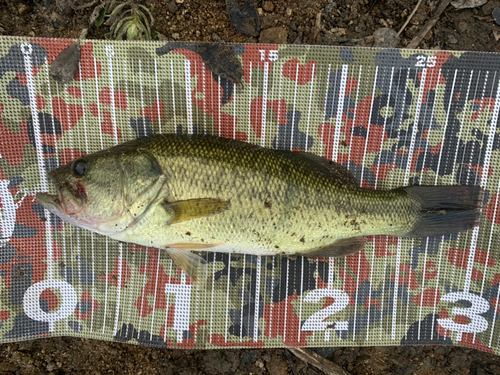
[316, 322]
[272, 55]
[425, 61]
[477, 322]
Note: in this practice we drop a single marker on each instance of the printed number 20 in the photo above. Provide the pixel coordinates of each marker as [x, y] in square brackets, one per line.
[316, 322]
[272, 55]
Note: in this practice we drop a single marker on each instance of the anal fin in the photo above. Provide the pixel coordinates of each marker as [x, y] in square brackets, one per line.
[190, 263]
[339, 248]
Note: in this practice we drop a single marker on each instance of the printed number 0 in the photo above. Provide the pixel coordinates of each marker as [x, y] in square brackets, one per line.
[316, 321]
[478, 306]
[31, 301]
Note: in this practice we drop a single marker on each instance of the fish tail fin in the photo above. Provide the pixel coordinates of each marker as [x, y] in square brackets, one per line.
[445, 209]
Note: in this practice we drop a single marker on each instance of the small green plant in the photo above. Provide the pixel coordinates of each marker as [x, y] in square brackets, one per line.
[128, 20]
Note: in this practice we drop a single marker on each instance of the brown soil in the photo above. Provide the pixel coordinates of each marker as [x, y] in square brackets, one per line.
[346, 23]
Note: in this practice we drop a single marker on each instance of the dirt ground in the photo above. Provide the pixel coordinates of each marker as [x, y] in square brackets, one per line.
[343, 22]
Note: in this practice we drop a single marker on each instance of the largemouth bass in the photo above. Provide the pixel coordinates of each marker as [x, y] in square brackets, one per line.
[200, 192]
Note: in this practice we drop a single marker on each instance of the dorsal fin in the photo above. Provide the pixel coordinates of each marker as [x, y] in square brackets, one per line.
[328, 168]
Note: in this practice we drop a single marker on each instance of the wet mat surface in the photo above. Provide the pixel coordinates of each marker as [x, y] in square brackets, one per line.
[393, 117]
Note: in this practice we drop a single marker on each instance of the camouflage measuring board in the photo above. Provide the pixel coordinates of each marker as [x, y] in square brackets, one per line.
[393, 117]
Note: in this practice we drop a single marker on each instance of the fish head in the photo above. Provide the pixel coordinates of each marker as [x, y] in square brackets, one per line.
[89, 193]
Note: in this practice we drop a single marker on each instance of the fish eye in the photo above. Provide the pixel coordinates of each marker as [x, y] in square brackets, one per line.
[79, 168]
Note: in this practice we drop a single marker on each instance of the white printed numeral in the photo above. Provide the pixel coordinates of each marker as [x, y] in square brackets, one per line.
[182, 307]
[31, 301]
[426, 61]
[477, 323]
[316, 322]
[272, 55]
[110, 51]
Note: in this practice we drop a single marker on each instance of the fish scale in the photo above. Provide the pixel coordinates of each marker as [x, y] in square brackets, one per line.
[199, 192]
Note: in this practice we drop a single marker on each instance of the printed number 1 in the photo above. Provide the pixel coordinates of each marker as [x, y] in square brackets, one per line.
[272, 55]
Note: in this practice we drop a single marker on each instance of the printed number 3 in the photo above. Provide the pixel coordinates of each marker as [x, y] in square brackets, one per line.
[272, 55]
[477, 323]
[316, 322]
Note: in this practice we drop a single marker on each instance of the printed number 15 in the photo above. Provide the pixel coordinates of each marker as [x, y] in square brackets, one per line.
[272, 55]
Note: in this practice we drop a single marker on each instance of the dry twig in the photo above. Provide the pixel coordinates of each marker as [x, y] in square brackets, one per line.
[429, 25]
[323, 364]
[410, 17]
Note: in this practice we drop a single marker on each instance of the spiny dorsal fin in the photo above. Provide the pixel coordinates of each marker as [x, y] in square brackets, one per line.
[328, 168]
[194, 208]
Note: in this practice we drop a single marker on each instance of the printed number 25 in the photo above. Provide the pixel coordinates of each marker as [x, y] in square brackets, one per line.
[425, 61]
[271, 56]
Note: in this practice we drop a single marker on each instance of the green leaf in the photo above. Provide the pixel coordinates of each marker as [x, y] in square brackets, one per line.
[100, 19]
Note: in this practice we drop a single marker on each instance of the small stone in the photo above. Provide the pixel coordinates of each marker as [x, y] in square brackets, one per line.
[22, 9]
[179, 1]
[268, 6]
[331, 7]
[175, 35]
[260, 11]
[385, 38]
[496, 15]
[267, 21]
[451, 38]
[51, 366]
[288, 12]
[274, 35]
[496, 34]
[172, 7]
[298, 40]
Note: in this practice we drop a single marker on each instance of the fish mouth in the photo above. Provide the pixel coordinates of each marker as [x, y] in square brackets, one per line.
[50, 202]
[68, 199]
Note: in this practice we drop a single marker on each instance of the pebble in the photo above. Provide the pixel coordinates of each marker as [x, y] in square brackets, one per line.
[274, 35]
[451, 39]
[385, 38]
[496, 15]
[329, 8]
[268, 6]
[22, 9]
[172, 7]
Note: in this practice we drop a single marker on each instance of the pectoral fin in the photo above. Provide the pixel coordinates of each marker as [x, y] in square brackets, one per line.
[339, 248]
[190, 263]
[194, 208]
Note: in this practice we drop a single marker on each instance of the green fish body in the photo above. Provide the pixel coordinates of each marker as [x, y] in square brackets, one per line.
[196, 192]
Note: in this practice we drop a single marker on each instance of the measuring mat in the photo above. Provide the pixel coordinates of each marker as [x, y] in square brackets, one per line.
[392, 117]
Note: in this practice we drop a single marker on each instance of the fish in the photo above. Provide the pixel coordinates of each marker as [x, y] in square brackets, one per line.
[185, 193]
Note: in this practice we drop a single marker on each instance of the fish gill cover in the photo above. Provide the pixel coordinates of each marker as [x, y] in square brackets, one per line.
[392, 117]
